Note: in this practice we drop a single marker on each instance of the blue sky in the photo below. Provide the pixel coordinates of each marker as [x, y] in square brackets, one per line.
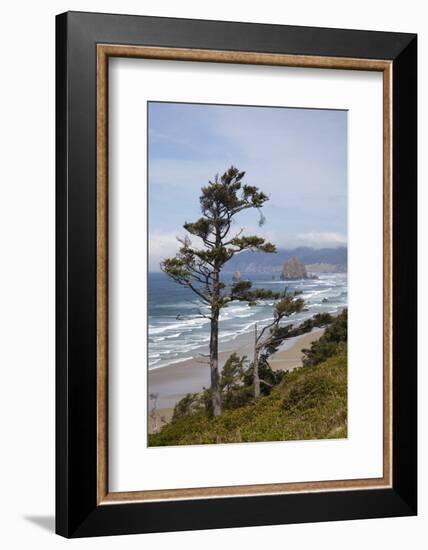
[296, 156]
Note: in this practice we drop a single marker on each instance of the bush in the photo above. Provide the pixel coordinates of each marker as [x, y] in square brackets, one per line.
[266, 374]
[237, 398]
[310, 403]
[311, 391]
[232, 373]
[234, 392]
[190, 404]
[331, 342]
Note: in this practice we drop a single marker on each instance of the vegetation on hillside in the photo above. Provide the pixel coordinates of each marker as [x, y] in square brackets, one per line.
[307, 403]
[331, 342]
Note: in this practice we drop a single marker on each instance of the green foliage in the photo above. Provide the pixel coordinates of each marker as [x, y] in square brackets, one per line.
[201, 228]
[252, 243]
[227, 192]
[333, 340]
[309, 403]
[310, 392]
[237, 397]
[322, 319]
[190, 404]
[236, 386]
[234, 393]
[269, 377]
[242, 291]
[199, 268]
[288, 305]
[233, 372]
[280, 333]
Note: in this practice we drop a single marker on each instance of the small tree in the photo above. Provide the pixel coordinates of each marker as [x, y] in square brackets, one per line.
[282, 332]
[233, 372]
[268, 336]
[199, 269]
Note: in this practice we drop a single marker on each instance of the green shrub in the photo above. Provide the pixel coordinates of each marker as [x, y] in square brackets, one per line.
[266, 374]
[331, 342]
[307, 393]
[309, 403]
[190, 404]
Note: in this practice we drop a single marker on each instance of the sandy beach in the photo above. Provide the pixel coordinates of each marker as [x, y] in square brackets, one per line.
[173, 382]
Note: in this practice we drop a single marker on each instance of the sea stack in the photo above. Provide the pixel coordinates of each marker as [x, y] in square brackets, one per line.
[236, 277]
[293, 269]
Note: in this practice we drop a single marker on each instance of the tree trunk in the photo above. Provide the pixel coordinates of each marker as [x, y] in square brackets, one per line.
[256, 366]
[215, 377]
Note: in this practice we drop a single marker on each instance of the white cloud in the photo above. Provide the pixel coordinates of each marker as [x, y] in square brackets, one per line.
[161, 245]
[165, 245]
[293, 240]
[319, 240]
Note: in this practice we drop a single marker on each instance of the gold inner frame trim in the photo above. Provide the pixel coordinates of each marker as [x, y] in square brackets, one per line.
[104, 51]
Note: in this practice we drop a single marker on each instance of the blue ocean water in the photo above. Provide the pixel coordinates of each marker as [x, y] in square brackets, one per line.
[177, 331]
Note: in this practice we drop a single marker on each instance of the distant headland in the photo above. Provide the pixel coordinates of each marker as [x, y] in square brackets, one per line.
[323, 260]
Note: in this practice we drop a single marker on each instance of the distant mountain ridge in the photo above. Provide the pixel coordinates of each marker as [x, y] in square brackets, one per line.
[259, 262]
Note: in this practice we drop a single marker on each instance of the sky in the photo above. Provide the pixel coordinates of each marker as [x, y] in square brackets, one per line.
[298, 157]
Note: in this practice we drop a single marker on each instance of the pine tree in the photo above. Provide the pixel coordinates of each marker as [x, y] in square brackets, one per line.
[199, 269]
[269, 335]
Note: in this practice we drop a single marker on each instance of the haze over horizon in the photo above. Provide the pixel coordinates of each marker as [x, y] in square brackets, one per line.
[296, 156]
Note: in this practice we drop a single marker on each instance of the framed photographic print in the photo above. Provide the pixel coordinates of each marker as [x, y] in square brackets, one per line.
[236, 274]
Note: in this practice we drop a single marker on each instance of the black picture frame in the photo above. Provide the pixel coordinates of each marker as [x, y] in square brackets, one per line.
[77, 511]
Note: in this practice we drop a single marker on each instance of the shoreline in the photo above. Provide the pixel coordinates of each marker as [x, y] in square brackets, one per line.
[172, 382]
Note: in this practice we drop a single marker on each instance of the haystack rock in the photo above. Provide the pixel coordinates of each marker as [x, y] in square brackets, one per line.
[236, 277]
[293, 269]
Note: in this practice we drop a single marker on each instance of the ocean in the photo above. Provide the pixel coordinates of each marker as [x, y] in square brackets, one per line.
[177, 332]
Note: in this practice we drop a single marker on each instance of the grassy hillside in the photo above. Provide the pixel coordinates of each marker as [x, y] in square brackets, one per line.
[309, 403]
